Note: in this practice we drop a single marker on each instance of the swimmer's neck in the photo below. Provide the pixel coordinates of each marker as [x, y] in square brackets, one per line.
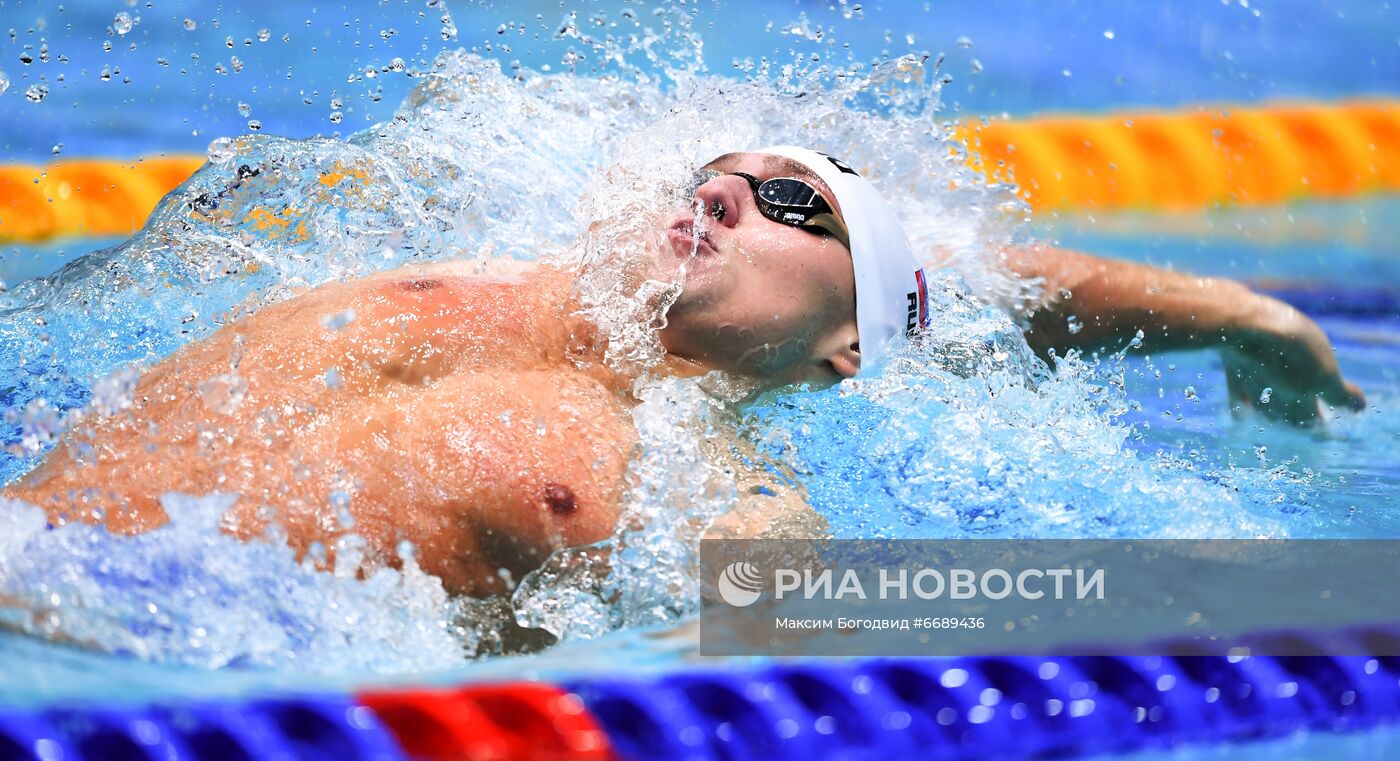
[585, 340]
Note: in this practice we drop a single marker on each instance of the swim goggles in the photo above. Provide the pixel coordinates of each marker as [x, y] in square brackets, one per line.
[787, 201]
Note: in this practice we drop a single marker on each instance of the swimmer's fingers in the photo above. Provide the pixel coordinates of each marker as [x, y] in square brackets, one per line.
[1338, 396]
[1347, 396]
[1288, 371]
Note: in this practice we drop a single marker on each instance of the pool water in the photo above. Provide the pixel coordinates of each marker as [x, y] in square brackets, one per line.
[964, 434]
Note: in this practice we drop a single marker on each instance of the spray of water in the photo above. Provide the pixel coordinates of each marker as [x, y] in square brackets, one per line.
[964, 433]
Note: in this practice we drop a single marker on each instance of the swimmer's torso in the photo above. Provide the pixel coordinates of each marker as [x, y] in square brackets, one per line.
[428, 405]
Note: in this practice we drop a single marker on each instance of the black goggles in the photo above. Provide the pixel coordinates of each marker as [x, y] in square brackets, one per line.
[789, 201]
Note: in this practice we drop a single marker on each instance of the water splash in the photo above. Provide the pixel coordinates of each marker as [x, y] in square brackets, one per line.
[964, 434]
[186, 593]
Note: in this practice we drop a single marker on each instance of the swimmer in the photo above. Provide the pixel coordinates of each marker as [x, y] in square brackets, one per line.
[475, 416]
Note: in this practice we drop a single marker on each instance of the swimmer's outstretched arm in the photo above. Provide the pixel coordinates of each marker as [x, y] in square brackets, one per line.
[1264, 342]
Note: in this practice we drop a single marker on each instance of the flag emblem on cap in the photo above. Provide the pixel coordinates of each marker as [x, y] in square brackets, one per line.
[918, 304]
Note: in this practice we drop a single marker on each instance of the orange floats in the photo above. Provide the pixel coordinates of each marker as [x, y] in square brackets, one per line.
[1191, 160]
[85, 198]
[1172, 161]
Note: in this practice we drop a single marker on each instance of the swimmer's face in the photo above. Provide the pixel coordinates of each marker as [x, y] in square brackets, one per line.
[759, 297]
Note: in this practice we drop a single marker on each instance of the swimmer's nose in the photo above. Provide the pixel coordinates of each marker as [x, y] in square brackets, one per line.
[726, 199]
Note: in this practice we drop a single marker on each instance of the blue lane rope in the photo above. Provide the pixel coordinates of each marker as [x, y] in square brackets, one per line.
[992, 707]
[924, 709]
[330, 727]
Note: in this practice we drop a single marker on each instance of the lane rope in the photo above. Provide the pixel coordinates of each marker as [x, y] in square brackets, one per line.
[1173, 161]
[930, 709]
[1203, 158]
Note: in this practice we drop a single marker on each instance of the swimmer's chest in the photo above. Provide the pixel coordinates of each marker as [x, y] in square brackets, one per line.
[539, 456]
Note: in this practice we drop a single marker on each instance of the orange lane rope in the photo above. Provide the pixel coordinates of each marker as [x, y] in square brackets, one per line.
[1191, 160]
[1175, 161]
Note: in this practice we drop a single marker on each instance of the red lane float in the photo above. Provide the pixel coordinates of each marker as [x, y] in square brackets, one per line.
[492, 722]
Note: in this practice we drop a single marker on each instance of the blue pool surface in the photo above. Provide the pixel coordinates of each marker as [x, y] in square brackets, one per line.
[1006, 56]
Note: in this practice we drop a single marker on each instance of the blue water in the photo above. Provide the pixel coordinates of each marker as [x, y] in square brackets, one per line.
[967, 437]
[1029, 57]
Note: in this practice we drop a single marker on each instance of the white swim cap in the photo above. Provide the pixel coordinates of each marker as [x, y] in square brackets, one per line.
[891, 294]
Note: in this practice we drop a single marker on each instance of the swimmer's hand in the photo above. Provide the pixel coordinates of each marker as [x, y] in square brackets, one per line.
[1280, 364]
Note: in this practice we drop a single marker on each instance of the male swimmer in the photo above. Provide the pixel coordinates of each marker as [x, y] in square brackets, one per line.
[475, 416]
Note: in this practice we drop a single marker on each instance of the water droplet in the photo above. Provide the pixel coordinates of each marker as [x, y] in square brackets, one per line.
[1108, 34]
[254, 125]
[396, 64]
[106, 74]
[57, 149]
[228, 42]
[264, 35]
[190, 25]
[1266, 395]
[1066, 72]
[1073, 324]
[36, 93]
[244, 109]
[338, 320]
[236, 63]
[4, 82]
[122, 23]
[223, 394]
[975, 66]
[964, 42]
[336, 116]
[221, 149]
[1191, 394]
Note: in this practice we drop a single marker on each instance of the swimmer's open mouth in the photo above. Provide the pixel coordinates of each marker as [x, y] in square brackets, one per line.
[684, 241]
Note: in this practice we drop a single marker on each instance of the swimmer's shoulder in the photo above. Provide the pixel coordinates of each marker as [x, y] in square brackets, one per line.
[478, 269]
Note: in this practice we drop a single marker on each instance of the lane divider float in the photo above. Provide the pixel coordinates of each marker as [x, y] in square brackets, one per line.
[85, 198]
[924, 709]
[1174, 161]
[1195, 159]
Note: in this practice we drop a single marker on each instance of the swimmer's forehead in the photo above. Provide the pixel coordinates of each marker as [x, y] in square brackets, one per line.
[770, 166]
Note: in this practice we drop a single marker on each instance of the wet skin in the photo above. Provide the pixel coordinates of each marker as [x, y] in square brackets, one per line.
[475, 418]
[469, 418]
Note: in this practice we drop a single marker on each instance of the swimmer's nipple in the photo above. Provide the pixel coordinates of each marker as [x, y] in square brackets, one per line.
[559, 498]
